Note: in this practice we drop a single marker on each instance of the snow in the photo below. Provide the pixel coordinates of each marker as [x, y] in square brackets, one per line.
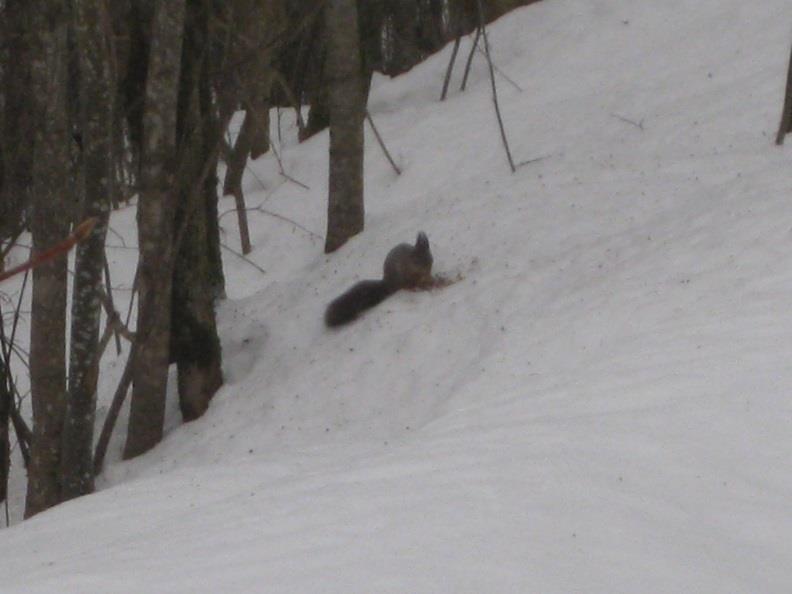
[600, 404]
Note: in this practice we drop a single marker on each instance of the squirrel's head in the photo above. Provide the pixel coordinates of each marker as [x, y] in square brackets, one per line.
[422, 254]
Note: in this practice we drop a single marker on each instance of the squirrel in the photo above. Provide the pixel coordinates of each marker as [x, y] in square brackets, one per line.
[406, 267]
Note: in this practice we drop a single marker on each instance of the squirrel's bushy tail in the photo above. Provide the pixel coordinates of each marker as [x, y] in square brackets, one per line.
[362, 296]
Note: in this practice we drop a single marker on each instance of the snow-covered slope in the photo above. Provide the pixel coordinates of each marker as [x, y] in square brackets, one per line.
[600, 404]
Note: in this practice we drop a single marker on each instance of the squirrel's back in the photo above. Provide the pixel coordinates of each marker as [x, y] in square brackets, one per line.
[406, 267]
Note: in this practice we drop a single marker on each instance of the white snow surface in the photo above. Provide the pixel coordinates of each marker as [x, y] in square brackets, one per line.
[601, 404]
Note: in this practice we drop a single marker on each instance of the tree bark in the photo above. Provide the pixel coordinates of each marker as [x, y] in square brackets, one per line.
[51, 180]
[95, 100]
[195, 346]
[345, 213]
[155, 229]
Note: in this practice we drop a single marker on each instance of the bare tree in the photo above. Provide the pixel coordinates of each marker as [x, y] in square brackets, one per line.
[155, 228]
[51, 180]
[345, 213]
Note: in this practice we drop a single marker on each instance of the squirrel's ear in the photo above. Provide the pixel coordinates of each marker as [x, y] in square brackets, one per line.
[422, 241]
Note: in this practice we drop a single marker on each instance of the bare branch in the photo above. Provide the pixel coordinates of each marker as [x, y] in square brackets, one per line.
[80, 232]
[243, 257]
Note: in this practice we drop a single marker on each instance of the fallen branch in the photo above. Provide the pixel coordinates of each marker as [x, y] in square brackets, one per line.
[503, 75]
[534, 160]
[638, 125]
[282, 170]
[243, 257]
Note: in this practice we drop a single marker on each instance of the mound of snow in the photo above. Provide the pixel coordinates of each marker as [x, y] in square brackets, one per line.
[600, 404]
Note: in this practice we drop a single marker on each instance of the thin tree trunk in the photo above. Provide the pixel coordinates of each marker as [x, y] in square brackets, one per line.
[345, 213]
[233, 179]
[261, 125]
[95, 99]
[155, 229]
[51, 173]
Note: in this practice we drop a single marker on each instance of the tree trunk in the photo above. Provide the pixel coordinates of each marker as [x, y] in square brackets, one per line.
[95, 100]
[195, 343]
[51, 169]
[195, 346]
[345, 211]
[155, 229]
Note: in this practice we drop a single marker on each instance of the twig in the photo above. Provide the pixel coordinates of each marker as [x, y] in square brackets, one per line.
[243, 257]
[504, 75]
[23, 433]
[382, 143]
[252, 172]
[11, 243]
[132, 297]
[261, 208]
[535, 160]
[117, 234]
[470, 59]
[19, 305]
[638, 125]
[483, 28]
[450, 68]
[109, 291]
[114, 319]
[282, 171]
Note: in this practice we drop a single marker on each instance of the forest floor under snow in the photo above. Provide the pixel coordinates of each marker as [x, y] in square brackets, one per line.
[601, 404]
